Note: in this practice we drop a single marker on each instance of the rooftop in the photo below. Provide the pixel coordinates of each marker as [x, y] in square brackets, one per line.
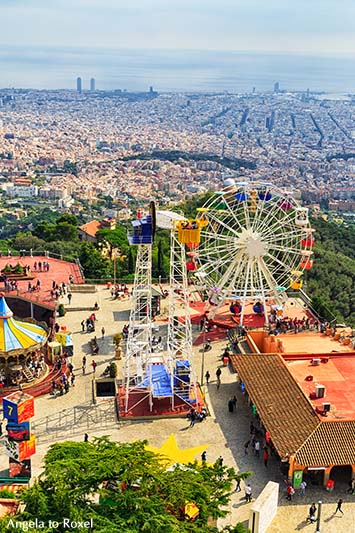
[337, 373]
[59, 271]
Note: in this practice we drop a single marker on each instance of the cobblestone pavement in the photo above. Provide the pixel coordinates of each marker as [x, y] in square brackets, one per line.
[224, 433]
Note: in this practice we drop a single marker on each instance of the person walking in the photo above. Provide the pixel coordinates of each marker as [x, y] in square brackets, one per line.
[312, 513]
[257, 449]
[94, 365]
[86, 437]
[102, 333]
[248, 493]
[192, 417]
[83, 325]
[69, 297]
[203, 457]
[84, 364]
[237, 487]
[207, 376]
[231, 405]
[303, 486]
[72, 380]
[218, 376]
[290, 492]
[266, 457]
[340, 503]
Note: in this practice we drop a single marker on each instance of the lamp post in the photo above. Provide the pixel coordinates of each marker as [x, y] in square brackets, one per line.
[203, 351]
[319, 515]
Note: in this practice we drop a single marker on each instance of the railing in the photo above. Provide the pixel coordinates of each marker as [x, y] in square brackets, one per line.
[76, 420]
[307, 300]
[38, 253]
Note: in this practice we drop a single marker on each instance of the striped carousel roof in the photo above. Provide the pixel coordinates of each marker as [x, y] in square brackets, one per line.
[16, 335]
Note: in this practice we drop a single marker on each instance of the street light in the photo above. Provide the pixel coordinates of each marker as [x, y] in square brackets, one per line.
[203, 349]
[318, 515]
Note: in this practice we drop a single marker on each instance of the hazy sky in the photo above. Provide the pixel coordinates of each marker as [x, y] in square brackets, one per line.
[312, 26]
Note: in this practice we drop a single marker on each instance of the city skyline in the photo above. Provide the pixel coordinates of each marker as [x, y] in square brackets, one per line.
[318, 27]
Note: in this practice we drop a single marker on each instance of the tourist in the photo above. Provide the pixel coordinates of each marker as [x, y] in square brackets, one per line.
[94, 365]
[82, 323]
[290, 492]
[339, 504]
[257, 449]
[312, 513]
[192, 417]
[237, 487]
[218, 376]
[203, 457]
[102, 333]
[207, 376]
[72, 380]
[86, 437]
[231, 405]
[248, 493]
[303, 486]
[84, 364]
[69, 297]
[266, 457]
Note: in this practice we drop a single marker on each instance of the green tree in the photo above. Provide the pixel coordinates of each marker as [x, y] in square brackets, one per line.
[94, 265]
[27, 241]
[126, 488]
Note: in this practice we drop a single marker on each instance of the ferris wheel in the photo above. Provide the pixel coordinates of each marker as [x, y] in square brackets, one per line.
[256, 245]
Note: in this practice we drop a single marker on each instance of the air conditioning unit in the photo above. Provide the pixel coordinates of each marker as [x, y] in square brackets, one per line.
[326, 407]
[320, 391]
[315, 362]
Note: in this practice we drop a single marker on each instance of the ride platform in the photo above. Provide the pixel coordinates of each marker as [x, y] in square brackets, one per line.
[139, 408]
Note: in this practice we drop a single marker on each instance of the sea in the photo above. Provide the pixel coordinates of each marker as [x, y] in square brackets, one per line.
[174, 70]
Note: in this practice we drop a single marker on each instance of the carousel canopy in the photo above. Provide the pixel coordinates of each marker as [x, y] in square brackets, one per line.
[16, 335]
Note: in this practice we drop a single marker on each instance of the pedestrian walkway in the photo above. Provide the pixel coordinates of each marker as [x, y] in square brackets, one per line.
[223, 433]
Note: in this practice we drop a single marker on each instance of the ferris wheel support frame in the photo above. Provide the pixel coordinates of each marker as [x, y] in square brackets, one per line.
[139, 349]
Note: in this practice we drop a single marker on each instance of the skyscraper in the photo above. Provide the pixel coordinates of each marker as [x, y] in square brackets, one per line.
[92, 84]
[78, 85]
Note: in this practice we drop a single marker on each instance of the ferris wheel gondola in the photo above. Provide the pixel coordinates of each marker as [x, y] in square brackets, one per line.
[255, 240]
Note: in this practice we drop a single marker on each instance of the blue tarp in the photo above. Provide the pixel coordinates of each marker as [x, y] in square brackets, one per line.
[160, 380]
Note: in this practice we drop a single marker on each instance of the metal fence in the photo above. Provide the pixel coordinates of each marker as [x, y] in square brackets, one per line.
[76, 420]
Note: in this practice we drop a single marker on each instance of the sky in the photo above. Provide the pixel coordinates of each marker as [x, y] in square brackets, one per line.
[319, 27]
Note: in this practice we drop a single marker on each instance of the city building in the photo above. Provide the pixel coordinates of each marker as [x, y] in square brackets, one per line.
[92, 84]
[79, 85]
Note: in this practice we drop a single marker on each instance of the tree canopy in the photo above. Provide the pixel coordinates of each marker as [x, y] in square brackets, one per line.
[126, 488]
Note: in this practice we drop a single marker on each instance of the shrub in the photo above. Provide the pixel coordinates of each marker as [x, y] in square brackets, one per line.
[61, 310]
[113, 370]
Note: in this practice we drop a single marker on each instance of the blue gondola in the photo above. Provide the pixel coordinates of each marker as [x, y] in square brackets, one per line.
[241, 196]
[265, 196]
[142, 231]
[258, 308]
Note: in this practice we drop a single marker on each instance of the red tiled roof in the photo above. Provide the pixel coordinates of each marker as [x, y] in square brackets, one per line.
[332, 443]
[91, 228]
[283, 408]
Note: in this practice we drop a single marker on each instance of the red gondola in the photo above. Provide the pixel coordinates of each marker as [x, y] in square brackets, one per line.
[307, 264]
[307, 242]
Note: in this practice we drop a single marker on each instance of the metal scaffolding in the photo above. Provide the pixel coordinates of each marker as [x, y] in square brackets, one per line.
[139, 350]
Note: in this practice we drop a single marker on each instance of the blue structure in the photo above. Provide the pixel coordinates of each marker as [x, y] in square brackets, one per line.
[142, 231]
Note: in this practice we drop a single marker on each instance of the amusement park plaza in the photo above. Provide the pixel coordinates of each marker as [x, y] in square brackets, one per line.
[293, 390]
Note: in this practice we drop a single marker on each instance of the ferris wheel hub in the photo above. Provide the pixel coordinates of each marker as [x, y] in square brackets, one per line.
[255, 247]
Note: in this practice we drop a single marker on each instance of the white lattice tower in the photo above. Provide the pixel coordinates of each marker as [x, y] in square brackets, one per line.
[179, 345]
[138, 354]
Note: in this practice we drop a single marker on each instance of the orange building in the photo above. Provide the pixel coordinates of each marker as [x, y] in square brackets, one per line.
[303, 393]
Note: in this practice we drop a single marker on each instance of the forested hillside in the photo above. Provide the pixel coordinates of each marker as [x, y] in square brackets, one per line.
[330, 283]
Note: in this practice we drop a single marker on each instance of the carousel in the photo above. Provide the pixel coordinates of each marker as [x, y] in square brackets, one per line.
[21, 358]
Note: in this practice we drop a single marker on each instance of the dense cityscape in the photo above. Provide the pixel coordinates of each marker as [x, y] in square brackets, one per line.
[73, 147]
